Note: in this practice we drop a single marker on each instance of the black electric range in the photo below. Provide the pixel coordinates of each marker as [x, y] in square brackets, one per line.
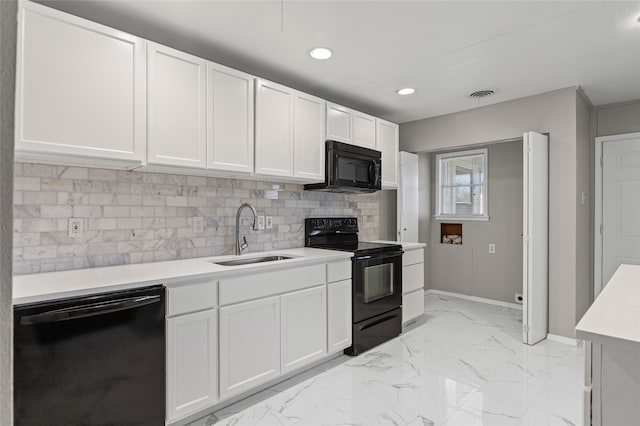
[376, 279]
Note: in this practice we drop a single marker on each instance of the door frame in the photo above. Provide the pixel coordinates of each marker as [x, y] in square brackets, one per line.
[597, 207]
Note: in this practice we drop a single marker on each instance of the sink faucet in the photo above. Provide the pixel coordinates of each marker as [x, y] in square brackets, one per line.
[243, 245]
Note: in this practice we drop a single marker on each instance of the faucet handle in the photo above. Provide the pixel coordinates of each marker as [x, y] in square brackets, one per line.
[244, 244]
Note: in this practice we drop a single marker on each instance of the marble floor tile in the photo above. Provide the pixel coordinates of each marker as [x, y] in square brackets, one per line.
[465, 365]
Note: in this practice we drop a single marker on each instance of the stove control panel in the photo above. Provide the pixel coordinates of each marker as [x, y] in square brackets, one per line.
[331, 224]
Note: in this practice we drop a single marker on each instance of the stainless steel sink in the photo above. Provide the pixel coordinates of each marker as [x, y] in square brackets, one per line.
[250, 260]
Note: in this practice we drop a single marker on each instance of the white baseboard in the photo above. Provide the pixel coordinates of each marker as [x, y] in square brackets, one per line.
[562, 339]
[474, 298]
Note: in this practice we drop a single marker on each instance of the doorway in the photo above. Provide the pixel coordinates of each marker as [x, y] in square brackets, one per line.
[617, 205]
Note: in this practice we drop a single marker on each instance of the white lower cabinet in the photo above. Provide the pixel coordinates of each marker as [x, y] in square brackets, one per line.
[192, 363]
[304, 327]
[249, 345]
[412, 284]
[339, 316]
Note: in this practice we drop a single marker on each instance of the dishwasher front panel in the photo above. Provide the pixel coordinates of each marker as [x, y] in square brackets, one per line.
[96, 360]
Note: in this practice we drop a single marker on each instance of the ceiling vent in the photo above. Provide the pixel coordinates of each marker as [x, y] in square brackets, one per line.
[481, 94]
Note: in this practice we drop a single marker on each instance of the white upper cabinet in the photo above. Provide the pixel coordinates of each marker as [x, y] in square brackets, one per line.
[230, 106]
[176, 106]
[289, 133]
[339, 123]
[364, 130]
[308, 137]
[387, 142]
[350, 126]
[274, 129]
[81, 90]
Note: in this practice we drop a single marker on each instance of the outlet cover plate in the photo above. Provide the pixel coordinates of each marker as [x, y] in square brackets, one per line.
[76, 227]
[269, 222]
[198, 225]
[492, 248]
[260, 222]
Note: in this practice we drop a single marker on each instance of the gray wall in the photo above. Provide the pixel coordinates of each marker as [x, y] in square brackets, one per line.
[553, 113]
[617, 119]
[469, 268]
[388, 215]
[584, 211]
[8, 24]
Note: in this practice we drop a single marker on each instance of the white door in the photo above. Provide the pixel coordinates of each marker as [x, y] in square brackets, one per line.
[387, 142]
[339, 123]
[620, 204]
[176, 105]
[249, 345]
[274, 129]
[304, 327]
[308, 138]
[80, 90]
[229, 119]
[364, 130]
[407, 221]
[535, 237]
[192, 363]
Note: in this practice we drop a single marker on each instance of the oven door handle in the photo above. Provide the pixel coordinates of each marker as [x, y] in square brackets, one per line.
[376, 257]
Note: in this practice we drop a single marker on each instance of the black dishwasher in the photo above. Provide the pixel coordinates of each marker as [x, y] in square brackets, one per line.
[95, 360]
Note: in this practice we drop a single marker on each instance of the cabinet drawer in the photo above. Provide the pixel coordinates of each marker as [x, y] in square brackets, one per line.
[191, 297]
[338, 271]
[411, 257]
[412, 277]
[412, 305]
[254, 286]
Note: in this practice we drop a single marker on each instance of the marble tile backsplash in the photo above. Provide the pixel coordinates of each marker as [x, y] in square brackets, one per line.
[134, 217]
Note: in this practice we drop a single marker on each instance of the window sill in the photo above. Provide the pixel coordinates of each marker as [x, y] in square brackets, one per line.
[463, 218]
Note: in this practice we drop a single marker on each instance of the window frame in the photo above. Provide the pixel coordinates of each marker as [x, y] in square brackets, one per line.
[485, 185]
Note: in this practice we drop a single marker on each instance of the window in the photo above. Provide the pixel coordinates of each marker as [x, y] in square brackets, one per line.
[461, 185]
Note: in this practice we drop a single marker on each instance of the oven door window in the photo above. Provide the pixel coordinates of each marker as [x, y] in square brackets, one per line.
[378, 282]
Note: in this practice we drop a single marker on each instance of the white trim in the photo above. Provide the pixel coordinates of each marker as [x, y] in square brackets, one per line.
[485, 182]
[474, 298]
[462, 218]
[597, 219]
[562, 339]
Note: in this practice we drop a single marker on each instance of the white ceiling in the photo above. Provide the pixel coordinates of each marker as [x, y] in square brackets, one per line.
[445, 49]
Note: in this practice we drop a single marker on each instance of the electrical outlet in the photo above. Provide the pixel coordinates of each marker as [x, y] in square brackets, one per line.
[519, 298]
[76, 227]
[492, 248]
[260, 222]
[198, 225]
[269, 222]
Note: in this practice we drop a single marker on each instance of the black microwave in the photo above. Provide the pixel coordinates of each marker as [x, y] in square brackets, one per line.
[350, 168]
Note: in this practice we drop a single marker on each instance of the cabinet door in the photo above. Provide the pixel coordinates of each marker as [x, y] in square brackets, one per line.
[364, 130]
[192, 364]
[274, 129]
[308, 137]
[339, 123]
[229, 119]
[387, 143]
[412, 305]
[249, 345]
[339, 316]
[81, 90]
[176, 105]
[304, 327]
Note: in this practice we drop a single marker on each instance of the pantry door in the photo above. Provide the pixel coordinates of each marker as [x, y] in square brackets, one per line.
[535, 237]
[617, 205]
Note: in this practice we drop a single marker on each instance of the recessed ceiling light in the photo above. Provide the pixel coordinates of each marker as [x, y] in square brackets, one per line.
[321, 53]
[406, 91]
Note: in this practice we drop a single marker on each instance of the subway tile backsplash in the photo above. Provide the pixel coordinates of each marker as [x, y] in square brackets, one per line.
[134, 217]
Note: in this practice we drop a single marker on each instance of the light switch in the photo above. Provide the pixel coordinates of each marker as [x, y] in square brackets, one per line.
[269, 222]
[260, 222]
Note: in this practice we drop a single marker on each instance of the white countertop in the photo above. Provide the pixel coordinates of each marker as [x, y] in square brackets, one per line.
[614, 317]
[79, 282]
[405, 245]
